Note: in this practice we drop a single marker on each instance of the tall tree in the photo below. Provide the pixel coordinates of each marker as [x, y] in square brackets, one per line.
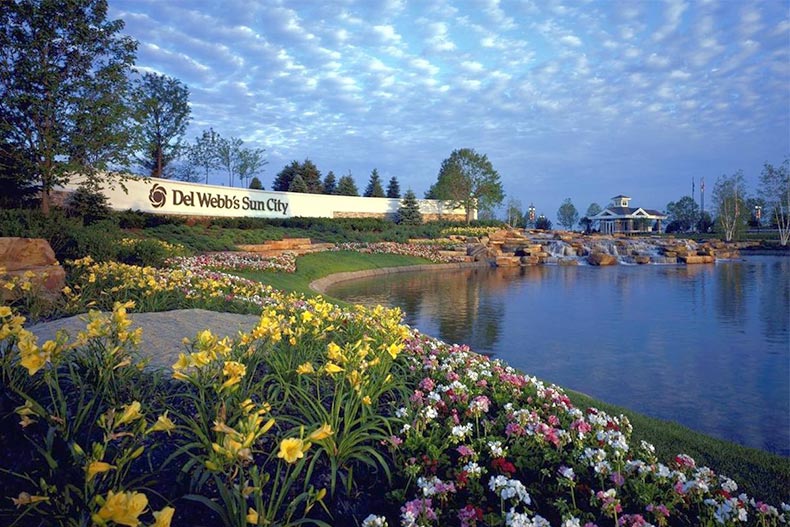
[543, 223]
[330, 184]
[775, 190]
[729, 197]
[514, 216]
[409, 210]
[683, 214]
[374, 188]
[203, 153]
[229, 155]
[468, 179]
[593, 210]
[393, 188]
[63, 92]
[312, 177]
[567, 214]
[298, 185]
[250, 162]
[282, 182]
[346, 186]
[161, 110]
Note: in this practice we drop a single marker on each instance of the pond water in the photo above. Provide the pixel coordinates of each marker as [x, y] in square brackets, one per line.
[707, 346]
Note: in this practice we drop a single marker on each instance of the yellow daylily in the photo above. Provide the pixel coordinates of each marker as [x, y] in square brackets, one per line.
[292, 449]
[234, 371]
[332, 368]
[97, 467]
[25, 498]
[162, 424]
[123, 508]
[163, 517]
[252, 516]
[131, 412]
[305, 368]
[324, 431]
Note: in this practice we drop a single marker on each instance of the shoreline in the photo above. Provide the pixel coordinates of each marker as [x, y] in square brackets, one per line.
[322, 284]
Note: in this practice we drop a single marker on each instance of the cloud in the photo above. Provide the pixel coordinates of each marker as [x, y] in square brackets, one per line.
[571, 40]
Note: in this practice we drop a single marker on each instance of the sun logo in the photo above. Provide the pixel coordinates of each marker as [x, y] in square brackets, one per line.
[157, 196]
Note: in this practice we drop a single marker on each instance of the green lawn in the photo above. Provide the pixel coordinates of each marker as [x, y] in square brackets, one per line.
[317, 265]
[757, 472]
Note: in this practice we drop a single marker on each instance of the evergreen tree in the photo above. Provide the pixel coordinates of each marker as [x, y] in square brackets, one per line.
[255, 183]
[312, 177]
[330, 185]
[409, 210]
[374, 189]
[298, 185]
[346, 186]
[282, 182]
[393, 188]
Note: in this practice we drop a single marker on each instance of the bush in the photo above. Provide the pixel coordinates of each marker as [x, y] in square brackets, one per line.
[100, 241]
[148, 252]
[88, 204]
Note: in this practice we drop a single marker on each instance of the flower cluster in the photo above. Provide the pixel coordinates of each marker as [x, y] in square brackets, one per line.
[515, 451]
[430, 252]
[236, 261]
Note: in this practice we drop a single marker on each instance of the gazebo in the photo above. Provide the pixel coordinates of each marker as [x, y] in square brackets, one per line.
[619, 217]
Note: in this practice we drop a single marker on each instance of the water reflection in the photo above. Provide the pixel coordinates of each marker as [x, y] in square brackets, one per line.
[704, 345]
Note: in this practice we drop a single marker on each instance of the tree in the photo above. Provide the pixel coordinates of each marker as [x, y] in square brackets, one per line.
[255, 183]
[705, 223]
[161, 111]
[393, 188]
[229, 155]
[683, 214]
[298, 185]
[468, 179]
[346, 186]
[330, 185]
[543, 223]
[515, 218]
[282, 182]
[729, 198]
[312, 177]
[567, 214]
[203, 154]
[431, 192]
[593, 210]
[775, 190]
[250, 161]
[63, 92]
[409, 210]
[374, 188]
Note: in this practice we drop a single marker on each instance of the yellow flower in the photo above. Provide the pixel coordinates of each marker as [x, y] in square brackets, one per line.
[27, 499]
[123, 508]
[307, 316]
[366, 400]
[162, 424]
[252, 516]
[394, 349]
[5, 311]
[322, 433]
[130, 413]
[97, 467]
[292, 449]
[234, 371]
[334, 352]
[305, 368]
[182, 362]
[332, 368]
[163, 517]
[32, 357]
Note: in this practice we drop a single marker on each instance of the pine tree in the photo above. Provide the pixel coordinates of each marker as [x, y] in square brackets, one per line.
[312, 177]
[393, 188]
[346, 186]
[374, 189]
[330, 185]
[282, 182]
[409, 210]
[255, 183]
[298, 185]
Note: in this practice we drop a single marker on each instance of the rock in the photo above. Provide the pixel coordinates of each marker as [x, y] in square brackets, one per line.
[567, 261]
[530, 260]
[602, 259]
[21, 256]
[642, 259]
[696, 259]
[508, 261]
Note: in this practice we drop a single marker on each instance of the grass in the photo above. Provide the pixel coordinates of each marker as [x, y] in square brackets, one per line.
[313, 266]
[758, 472]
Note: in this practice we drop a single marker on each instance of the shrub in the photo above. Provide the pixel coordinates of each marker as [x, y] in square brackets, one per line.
[88, 204]
[148, 252]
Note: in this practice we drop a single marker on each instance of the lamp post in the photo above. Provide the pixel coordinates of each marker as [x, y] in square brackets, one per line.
[531, 215]
[758, 214]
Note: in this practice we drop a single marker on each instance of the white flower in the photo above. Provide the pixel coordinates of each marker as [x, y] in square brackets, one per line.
[402, 412]
[571, 522]
[374, 521]
[495, 447]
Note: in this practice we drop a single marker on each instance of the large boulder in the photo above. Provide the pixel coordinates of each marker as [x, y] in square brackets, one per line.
[602, 259]
[34, 258]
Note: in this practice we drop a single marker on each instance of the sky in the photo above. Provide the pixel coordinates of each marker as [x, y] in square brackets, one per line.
[568, 99]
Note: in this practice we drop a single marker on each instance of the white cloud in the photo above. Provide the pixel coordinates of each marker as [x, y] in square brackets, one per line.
[386, 33]
[672, 19]
[571, 40]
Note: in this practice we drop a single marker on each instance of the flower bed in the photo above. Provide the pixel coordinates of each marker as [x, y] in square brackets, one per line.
[429, 252]
[309, 416]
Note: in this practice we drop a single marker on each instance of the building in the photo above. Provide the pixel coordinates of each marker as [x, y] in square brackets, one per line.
[619, 217]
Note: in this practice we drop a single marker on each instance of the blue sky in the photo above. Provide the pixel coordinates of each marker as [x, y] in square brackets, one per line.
[579, 99]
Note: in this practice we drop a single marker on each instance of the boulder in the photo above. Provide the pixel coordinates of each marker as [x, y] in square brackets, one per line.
[32, 257]
[508, 261]
[642, 259]
[602, 259]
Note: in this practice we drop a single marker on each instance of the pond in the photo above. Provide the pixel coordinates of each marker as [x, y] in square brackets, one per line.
[707, 346]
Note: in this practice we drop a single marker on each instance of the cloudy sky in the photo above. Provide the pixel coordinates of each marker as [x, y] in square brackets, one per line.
[578, 99]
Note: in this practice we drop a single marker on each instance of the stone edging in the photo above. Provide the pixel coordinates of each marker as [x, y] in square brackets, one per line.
[322, 284]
